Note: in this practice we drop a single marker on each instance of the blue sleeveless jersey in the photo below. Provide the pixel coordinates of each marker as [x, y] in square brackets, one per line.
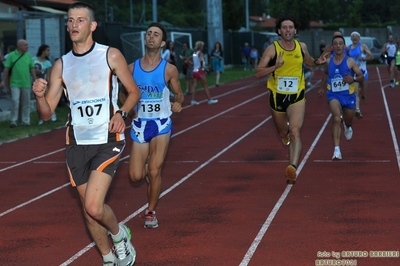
[336, 73]
[154, 103]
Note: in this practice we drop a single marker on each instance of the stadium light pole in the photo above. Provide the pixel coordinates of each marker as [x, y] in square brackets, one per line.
[131, 12]
[155, 19]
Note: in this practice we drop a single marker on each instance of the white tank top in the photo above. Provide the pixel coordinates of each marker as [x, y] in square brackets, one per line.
[196, 61]
[92, 91]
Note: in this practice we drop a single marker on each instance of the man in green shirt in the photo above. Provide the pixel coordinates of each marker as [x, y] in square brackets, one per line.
[19, 83]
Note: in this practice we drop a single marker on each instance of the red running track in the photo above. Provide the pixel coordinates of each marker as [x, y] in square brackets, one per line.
[225, 200]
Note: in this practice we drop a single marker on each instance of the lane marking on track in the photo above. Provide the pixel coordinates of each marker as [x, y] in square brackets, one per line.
[252, 249]
[30, 160]
[140, 210]
[389, 117]
[352, 161]
[34, 199]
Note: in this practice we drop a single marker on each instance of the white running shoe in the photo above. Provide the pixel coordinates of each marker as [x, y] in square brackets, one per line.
[392, 83]
[337, 155]
[150, 219]
[124, 250]
[212, 101]
[348, 132]
[193, 102]
[54, 117]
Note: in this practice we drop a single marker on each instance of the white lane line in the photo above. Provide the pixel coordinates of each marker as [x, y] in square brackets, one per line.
[353, 161]
[81, 252]
[30, 160]
[32, 200]
[250, 252]
[389, 117]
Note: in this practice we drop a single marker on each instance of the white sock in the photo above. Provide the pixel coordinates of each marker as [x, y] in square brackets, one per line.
[109, 257]
[337, 148]
[116, 238]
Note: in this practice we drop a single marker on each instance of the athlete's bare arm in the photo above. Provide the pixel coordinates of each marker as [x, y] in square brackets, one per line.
[172, 76]
[119, 66]
[367, 51]
[263, 69]
[47, 101]
[324, 80]
[309, 60]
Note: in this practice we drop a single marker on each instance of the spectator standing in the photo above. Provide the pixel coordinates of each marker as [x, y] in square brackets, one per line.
[19, 82]
[169, 53]
[199, 74]
[254, 56]
[246, 55]
[217, 57]
[43, 67]
[187, 67]
[266, 43]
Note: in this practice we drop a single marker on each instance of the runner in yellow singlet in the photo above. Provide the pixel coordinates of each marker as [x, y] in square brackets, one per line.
[284, 61]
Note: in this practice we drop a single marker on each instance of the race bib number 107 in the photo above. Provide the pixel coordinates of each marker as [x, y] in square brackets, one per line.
[90, 112]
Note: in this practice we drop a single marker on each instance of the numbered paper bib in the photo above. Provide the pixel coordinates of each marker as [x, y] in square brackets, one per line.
[150, 108]
[90, 112]
[337, 85]
[288, 84]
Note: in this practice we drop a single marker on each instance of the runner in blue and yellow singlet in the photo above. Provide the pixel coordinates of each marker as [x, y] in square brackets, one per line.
[284, 61]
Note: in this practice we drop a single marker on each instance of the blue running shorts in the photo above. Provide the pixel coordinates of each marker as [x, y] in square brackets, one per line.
[143, 131]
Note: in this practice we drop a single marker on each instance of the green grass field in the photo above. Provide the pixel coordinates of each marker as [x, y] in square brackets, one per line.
[9, 134]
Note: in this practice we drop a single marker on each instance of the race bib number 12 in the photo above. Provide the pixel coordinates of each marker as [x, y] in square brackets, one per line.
[288, 84]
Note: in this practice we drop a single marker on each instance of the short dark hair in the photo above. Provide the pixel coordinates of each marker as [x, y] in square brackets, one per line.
[161, 27]
[290, 17]
[77, 5]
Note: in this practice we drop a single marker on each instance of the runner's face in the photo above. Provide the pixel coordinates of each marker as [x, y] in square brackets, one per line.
[287, 30]
[79, 25]
[154, 38]
[338, 46]
[355, 39]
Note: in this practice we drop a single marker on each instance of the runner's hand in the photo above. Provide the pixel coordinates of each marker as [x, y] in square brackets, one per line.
[39, 87]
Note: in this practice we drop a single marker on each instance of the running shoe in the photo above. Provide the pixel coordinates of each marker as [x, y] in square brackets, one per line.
[397, 83]
[286, 140]
[124, 250]
[348, 132]
[150, 219]
[212, 101]
[290, 174]
[193, 102]
[358, 113]
[337, 155]
[392, 83]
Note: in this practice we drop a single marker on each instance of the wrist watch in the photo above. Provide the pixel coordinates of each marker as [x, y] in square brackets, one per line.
[122, 113]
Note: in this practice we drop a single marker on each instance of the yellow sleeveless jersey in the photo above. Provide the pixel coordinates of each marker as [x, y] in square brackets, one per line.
[289, 78]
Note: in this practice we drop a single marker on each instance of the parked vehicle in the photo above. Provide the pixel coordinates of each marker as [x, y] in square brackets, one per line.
[373, 44]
